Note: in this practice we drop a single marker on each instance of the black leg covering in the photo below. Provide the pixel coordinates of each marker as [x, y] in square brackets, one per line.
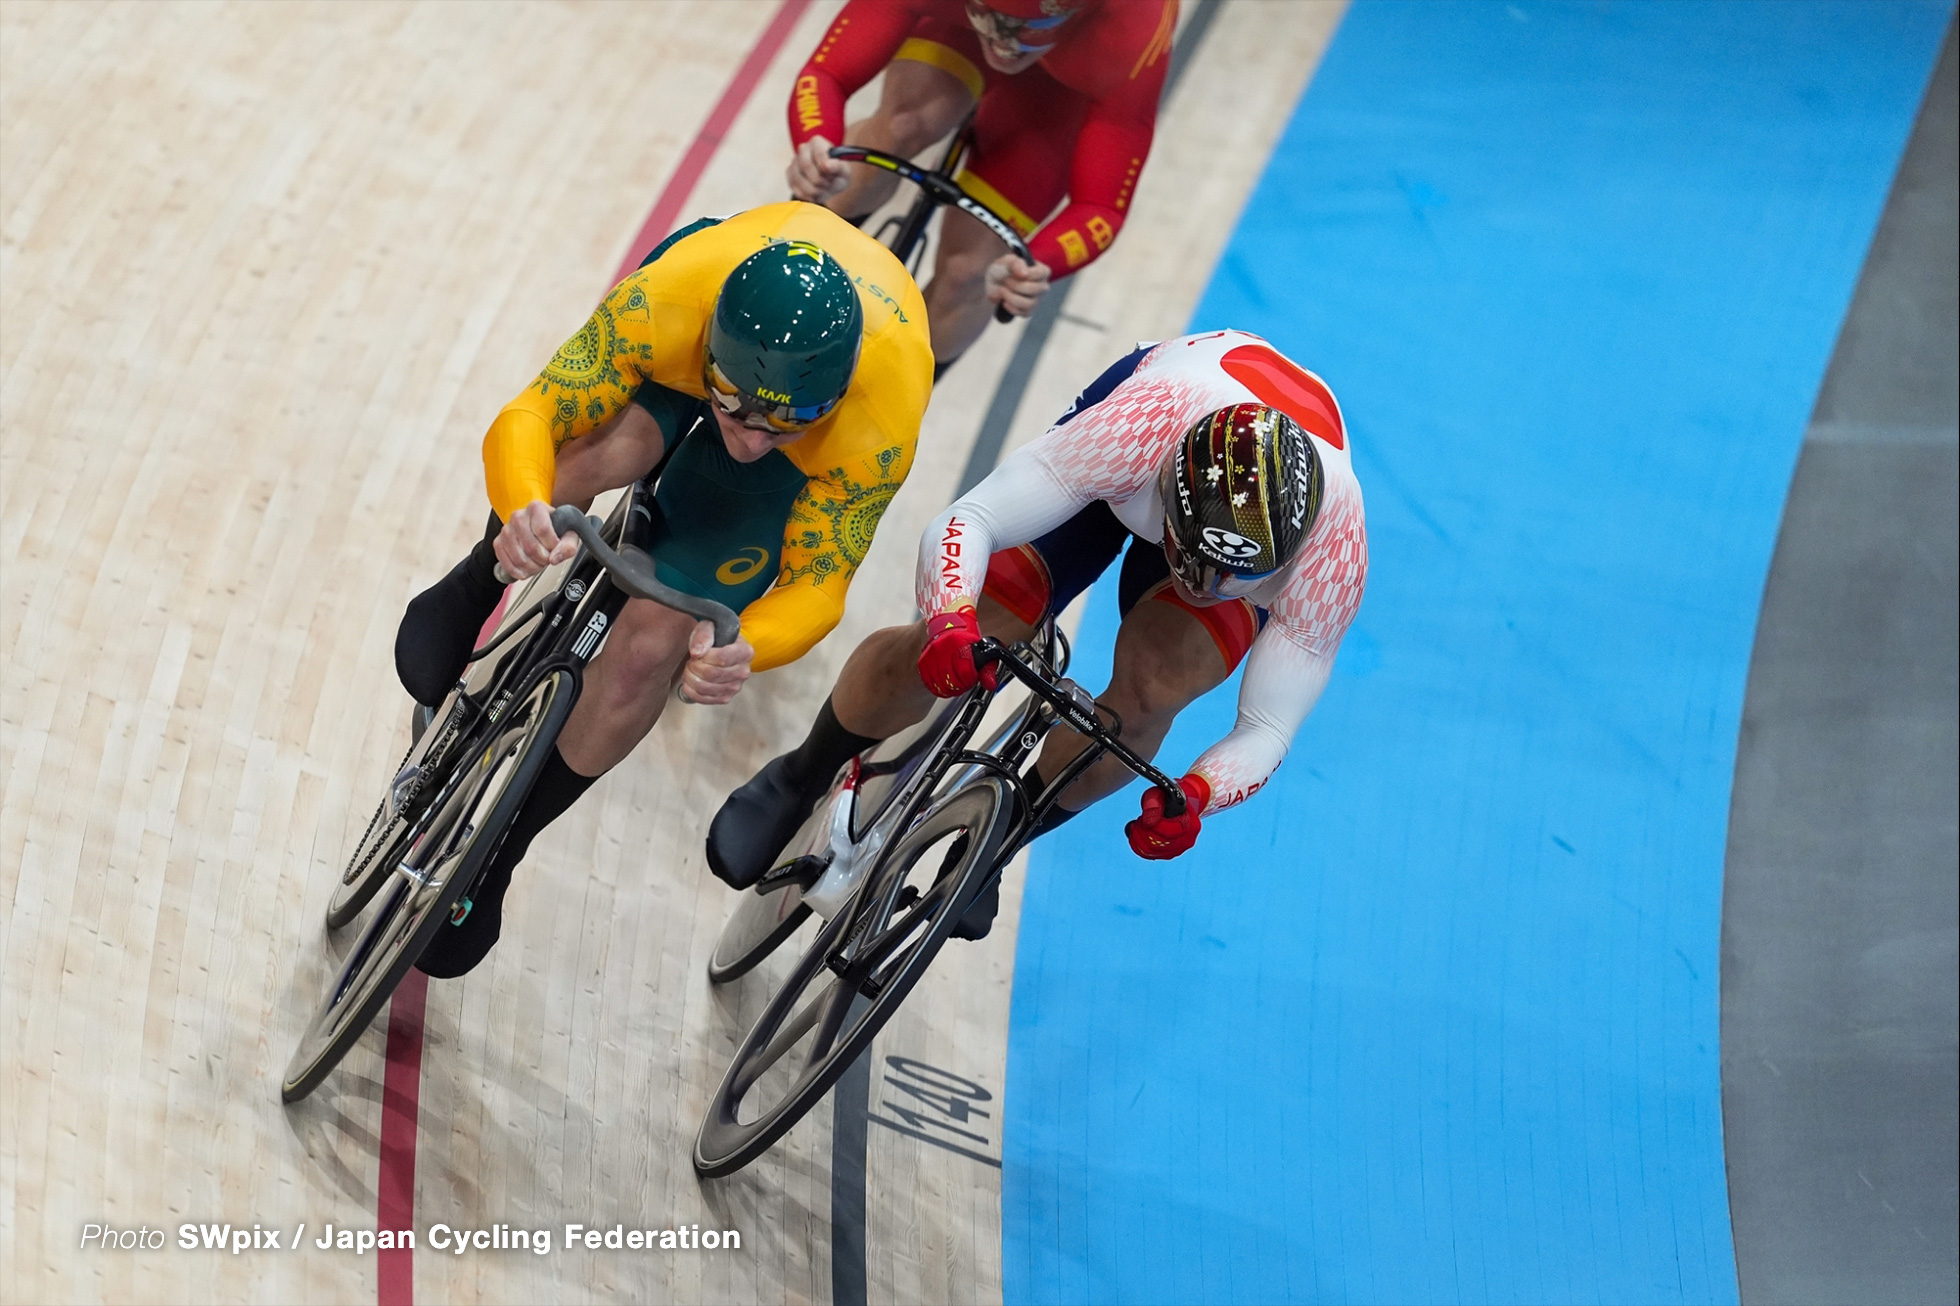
[749, 832]
[1055, 817]
[978, 919]
[827, 747]
[438, 632]
[456, 949]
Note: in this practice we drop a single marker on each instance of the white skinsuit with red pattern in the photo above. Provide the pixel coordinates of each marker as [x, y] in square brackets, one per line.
[1111, 452]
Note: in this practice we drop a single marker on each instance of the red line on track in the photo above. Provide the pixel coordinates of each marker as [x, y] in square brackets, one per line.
[402, 1082]
[394, 1270]
[709, 138]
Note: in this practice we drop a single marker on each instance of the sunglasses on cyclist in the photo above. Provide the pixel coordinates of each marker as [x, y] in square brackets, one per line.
[1006, 30]
[755, 413]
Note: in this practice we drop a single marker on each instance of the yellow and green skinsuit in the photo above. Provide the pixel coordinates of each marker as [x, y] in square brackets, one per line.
[652, 328]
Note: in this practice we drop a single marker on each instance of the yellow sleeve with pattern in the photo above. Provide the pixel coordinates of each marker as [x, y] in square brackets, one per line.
[829, 532]
[591, 377]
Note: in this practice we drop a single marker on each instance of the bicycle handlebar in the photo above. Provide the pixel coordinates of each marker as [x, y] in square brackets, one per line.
[1083, 720]
[944, 190]
[632, 570]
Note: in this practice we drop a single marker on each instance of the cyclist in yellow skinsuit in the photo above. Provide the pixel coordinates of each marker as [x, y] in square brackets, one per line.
[775, 367]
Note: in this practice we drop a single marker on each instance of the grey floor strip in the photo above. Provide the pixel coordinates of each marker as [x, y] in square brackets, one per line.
[1839, 992]
[851, 1099]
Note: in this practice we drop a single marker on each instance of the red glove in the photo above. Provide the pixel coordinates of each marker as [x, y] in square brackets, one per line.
[1159, 837]
[947, 663]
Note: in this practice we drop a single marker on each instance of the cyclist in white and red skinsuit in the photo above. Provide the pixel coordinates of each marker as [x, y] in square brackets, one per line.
[1033, 534]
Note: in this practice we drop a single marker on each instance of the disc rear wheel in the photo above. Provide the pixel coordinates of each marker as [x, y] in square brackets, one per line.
[762, 921]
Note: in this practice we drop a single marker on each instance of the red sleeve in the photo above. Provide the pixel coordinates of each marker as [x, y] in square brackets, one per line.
[1113, 144]
[863, 39]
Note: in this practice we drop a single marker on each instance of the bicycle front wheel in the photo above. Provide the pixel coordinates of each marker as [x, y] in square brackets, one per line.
[459, 829]
[854, 977]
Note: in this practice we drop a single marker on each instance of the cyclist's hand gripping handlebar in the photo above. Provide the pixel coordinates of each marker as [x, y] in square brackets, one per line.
[943, 190]
[1077, 711]
[632, 570]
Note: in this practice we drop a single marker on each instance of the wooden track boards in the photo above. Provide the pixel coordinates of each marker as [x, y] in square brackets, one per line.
[267, 271]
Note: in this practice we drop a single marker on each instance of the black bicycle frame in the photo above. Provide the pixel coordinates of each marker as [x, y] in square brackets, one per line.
[1060, 702]
[563, 632]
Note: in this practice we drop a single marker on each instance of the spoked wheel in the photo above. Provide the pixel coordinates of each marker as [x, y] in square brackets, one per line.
[852, 980]
[436, 862]
[395, 818]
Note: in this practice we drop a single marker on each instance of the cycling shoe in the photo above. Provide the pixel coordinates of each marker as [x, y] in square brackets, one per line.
[757, 821]
[977, 921]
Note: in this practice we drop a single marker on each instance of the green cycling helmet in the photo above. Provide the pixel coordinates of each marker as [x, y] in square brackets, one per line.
[784, 338]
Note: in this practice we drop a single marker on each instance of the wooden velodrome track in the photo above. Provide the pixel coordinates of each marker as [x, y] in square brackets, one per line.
[268, 271]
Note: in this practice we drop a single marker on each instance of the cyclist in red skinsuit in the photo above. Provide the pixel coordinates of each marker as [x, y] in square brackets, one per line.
[1067, 95]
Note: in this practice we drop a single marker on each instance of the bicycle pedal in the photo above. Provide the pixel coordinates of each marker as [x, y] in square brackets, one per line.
[460, 912]
[803, 871]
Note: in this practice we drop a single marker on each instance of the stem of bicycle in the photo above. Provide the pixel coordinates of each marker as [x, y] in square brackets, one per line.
[1084, 724]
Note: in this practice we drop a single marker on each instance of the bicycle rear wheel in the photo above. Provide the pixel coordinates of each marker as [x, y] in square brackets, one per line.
[760, 924]
[855, 975]
[395, 818]
[446, 849]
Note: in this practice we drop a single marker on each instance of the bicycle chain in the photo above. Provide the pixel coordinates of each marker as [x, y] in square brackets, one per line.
[358, 863]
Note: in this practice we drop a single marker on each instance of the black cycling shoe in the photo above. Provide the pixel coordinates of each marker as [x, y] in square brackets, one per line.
[977, 922]
[460, 944]
[438, 632]
[755, 823]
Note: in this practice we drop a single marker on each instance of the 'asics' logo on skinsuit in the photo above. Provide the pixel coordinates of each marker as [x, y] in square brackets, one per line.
[742, 566]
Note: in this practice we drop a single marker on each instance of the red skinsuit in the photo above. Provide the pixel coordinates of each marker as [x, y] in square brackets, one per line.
[1098, 87]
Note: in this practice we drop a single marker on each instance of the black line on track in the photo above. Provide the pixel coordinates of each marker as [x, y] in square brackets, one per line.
[851, 1099]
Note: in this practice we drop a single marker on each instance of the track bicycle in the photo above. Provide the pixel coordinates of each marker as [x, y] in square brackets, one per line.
[913, 833]
[471, 765]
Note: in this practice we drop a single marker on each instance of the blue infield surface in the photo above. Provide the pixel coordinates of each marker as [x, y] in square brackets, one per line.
[1433, 1018]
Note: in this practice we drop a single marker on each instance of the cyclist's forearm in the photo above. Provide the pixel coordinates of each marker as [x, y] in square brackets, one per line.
[861, 41]
[1109, 158]
[1283, 680]
[790, 620]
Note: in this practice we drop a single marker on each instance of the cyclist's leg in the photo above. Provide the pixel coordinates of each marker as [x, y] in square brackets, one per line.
[879, 692]
[877, 695]
[626, 688]
[1169, 652]
[1023, 141]
[437, 633]
[455, 950]
[929, 86]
